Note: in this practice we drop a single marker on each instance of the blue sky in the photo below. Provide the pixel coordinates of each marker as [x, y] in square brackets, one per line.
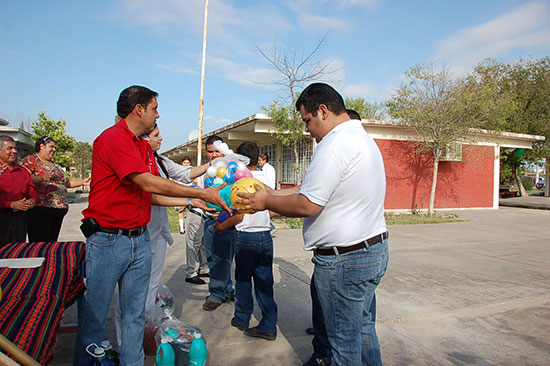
[72, 58]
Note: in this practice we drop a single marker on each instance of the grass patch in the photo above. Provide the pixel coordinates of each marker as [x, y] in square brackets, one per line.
[173, 221]
[417, 218]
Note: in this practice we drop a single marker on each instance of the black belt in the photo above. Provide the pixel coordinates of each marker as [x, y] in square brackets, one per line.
[136, 231]
[341, 250]
[199, 214]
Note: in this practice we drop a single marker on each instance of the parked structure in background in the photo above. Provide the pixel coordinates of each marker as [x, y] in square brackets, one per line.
[468, 174]
[23, 140]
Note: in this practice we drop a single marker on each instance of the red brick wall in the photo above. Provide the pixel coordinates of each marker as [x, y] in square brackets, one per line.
[460, 184]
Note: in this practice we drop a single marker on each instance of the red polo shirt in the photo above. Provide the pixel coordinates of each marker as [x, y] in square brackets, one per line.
[16, 184]
[114, 200]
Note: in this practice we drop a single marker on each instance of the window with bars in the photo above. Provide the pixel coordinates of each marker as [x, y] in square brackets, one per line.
[305, 151]
[271, 151]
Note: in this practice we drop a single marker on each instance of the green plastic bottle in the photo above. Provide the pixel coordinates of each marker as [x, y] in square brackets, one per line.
[198, 351]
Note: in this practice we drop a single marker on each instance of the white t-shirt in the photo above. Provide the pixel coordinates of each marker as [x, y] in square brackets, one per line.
[346, 176]
[260, 220]
[269, 172]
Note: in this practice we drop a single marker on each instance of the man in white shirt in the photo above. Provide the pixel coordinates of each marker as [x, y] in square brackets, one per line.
[342, 200]
[268, 170]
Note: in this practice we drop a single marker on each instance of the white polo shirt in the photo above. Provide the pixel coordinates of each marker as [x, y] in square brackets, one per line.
[346, 176]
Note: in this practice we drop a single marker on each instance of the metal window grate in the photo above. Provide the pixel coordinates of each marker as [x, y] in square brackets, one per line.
[305, 151]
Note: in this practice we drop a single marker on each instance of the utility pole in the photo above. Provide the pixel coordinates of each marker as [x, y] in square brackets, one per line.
[201, 111]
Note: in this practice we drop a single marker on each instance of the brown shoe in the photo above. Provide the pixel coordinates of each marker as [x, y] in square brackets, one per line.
[210, 305]
[258, 333]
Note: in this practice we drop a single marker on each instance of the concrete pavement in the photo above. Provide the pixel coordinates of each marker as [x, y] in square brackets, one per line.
[471, 293]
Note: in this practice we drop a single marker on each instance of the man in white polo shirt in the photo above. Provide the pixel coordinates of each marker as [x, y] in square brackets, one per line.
[342, 200]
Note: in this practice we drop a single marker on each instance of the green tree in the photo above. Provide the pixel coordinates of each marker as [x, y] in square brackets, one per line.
[526, 86]
[295, 69]
[82, 156]
[45, 126]
[441, 110]
[366, 110]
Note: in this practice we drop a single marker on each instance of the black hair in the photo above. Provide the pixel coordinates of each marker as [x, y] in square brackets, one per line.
[186, 158]
[42, 141]
[319, 93]
[132, 96]
[265, 157]
[251, 150]
[5, 139]
[353, 114]
[212, 139]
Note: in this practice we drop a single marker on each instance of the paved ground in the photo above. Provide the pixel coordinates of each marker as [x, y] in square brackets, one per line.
[471, 293]
[536, 202]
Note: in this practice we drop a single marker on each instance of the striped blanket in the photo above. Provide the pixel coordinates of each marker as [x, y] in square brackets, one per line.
[34, 299]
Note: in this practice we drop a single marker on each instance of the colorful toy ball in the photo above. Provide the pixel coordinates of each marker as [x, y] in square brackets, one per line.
[221, 172]
[212, 170]
[232, 166]
[217, 181]
[229, 177]
[244, 185]
[240, 174]
[248, 174]
[208, 181]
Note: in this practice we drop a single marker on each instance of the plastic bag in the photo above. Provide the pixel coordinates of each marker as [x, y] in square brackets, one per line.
[155, 316]
[180, 335]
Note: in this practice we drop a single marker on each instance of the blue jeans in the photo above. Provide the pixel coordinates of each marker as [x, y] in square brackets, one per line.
[320, 342]
[345, 287]
[219, 254]
[254, 260]
[113, 259]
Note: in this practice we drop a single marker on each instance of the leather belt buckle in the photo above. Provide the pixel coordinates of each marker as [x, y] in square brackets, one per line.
[137, 231]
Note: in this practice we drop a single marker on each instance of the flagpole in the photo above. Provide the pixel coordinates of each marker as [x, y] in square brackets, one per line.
[201, 111]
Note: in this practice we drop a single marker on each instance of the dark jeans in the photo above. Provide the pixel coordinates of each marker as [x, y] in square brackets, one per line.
[254, 260]
[13, 226]
[320, 342]
[219, 254]
[45, 223]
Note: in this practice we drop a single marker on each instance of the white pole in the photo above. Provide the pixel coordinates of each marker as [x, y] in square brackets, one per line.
[201, 111]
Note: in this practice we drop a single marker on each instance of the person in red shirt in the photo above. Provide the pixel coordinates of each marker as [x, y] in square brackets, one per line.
[17, 194]
[125, 182]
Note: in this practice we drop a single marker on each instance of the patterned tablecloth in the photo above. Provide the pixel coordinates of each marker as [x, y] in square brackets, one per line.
[34, 299]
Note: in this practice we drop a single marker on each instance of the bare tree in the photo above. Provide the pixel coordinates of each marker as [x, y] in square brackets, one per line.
[296, 68]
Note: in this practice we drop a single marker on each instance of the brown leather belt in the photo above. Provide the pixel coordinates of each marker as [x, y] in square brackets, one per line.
[341, 250]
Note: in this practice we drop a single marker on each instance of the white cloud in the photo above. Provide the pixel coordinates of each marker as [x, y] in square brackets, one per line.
[320, 22]
[526, 26]
[242, 73]
[178, 69]
[224, 121]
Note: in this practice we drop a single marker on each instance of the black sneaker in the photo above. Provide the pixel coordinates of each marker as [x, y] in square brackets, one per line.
[316, 362]
[210, 305]
[195, 280]
[206, 274]
[237, 325]
[310, 331]
[258, 333]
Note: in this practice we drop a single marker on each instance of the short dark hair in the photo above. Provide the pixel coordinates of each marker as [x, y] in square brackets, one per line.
[132, 96]
[265, 157]
[5, 139]
[251, 150]
[353, 114]
[212, 139]
[186, 158]
[42, 141]
[320, 93]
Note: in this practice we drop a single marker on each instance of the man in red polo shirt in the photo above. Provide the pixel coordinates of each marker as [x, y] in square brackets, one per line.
[124, 183]
[17, 194]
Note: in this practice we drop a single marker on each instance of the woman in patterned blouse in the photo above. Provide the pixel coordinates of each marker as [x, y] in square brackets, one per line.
[45, 219]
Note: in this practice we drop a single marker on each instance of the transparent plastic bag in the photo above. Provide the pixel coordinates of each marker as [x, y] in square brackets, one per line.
[180, 335]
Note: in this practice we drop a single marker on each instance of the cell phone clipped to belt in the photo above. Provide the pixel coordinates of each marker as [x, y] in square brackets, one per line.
[89, 226]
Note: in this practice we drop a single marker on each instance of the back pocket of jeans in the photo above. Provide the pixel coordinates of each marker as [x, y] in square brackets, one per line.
[357, 277]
